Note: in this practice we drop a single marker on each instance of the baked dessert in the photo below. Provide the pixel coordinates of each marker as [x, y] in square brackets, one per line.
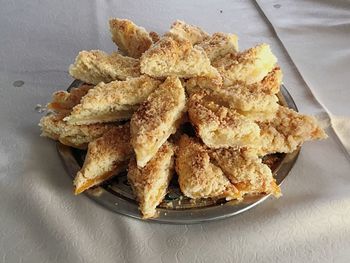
[176, 57]
[198, 84]
[96, 66]
[247, 101]
[219, 126]
[63, 101]
[194, 34]
[106, 156]
[245, 171]
[190, 104]
[248, 67]
[198, 176]
[130, 38]
[219, 45]
[78, 136]
[271, 83]
[151, 182]
[156, 119]
[287, 131]
[113, 101]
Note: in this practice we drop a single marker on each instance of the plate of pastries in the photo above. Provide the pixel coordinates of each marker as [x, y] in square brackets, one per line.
[180, 128]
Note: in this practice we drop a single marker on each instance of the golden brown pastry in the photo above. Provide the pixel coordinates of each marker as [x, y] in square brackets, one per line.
[198, 84]
[246, 100]
[113, 101]
[248, 67]
[96, 66]
[130, 38]
[194, 34]
[219, 126]
[156, 119]
[271, 84]
[150, 183]
[176, 57]
[53, 126]
[106, 156]
[63, 101]
[246, 171]
[287, 131]
[198, 176]
[220, 44]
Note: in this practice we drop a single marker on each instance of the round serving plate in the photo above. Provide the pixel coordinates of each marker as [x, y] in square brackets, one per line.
[117, 195]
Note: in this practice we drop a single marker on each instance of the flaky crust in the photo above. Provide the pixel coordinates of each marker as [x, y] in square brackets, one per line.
[257, 101]
[220, 44]
[246, 171]
[156, 119]
[96, 66]
[198, 176]
[248, 67]
[53, 126]
[219, 126]
[194, 34]
[150, 183]
[287, 131]
[271, 84]
[63, 101]
[198, 84]
[176, 57]
[113, 101]
[130, 38]
[245, 99]
[106, 157]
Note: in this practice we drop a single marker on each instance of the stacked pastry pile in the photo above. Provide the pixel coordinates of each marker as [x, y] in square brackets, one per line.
[131, 110]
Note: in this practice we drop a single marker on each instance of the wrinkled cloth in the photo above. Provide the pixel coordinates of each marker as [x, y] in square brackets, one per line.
[42, 221]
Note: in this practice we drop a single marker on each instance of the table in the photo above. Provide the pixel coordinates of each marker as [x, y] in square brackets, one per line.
[42, 221]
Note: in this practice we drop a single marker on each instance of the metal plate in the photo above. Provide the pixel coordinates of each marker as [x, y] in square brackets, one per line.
[117, 196]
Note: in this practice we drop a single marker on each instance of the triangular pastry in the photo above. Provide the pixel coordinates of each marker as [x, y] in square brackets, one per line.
[220, 44]
[150, 183]
[287, 131]
[96, 66]
[156, 119]
[78, 136]
[131, 39]
[63, 101]
[176, 57]
[113, 101]
[198, 176]
[248, 67]
[245, 170]
[106, 156]
[194, 34]
[219, 126]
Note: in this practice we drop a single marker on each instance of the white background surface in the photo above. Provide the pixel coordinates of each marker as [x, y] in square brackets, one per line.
[41, 220]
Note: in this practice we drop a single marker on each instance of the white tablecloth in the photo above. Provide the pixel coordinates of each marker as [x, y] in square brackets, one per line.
[41, 220]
